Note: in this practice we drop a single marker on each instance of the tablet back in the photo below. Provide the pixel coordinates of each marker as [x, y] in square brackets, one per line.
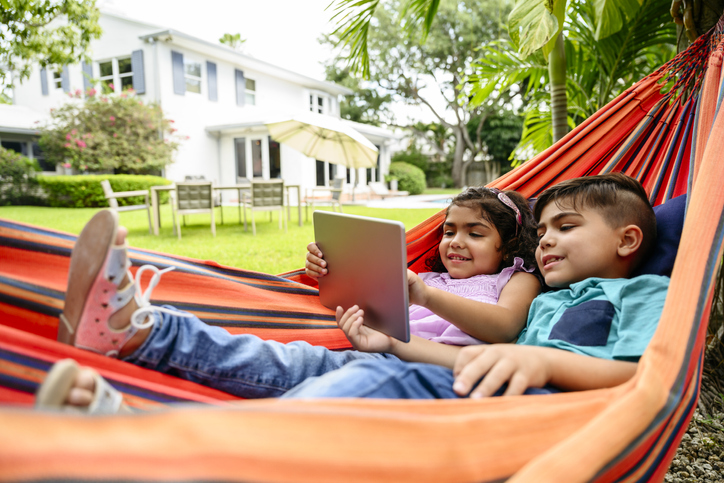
[367, 266]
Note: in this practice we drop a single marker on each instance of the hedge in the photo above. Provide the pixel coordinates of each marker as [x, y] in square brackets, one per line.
[410, 178]
[85, 191]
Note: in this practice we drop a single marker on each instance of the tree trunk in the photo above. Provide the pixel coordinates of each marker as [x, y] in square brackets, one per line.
[706, 15]
[559, 99]
[459, 167]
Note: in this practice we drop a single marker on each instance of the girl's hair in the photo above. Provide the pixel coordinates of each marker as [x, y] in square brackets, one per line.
[518, 240]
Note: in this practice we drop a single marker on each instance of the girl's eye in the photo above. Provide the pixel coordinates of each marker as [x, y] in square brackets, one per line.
[476, 235]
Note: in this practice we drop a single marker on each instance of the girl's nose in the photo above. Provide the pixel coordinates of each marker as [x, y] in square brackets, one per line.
[457, 241]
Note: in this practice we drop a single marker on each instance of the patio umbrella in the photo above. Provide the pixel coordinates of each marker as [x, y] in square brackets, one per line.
[325, 138]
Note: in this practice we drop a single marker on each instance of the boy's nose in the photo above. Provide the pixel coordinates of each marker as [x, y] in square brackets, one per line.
[546, 240]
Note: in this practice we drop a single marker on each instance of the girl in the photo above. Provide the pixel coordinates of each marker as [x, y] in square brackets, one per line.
[477, 290]
[486, 240]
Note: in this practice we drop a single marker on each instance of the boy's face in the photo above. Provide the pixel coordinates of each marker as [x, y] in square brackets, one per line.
[575, 245]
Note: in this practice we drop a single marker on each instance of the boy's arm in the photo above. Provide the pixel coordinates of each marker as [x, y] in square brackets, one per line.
[528, 366]
[493, 323]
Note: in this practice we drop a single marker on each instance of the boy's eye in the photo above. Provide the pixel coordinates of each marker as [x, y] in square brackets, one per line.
[566, 227]
[448, 233]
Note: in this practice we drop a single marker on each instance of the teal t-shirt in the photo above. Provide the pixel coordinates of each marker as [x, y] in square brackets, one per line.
[605, 318]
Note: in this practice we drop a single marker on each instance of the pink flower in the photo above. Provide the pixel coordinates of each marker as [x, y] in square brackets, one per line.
[74, 132]
[91, 92]
[67, 145]
[115, 134]
[78, 92]
[171, 121]
[173, 129]
[81, 144]
[104, 99]
[112, 86]
[188, 137]
[66, 165]
[112, 118]
[67, 136]
[124, 95]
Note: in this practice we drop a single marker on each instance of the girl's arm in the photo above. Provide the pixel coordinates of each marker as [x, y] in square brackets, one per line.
[487, 322]
[366, 339]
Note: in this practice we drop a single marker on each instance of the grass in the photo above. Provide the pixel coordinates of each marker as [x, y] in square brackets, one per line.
[270, 251]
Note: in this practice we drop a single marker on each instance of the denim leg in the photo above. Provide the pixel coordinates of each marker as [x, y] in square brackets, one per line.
[388, 379]
[242, 365]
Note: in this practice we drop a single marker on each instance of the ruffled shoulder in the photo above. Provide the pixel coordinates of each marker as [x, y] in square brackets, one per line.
[507, 272]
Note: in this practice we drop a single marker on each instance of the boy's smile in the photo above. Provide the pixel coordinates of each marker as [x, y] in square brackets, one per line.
[470, 245]
[575, 245]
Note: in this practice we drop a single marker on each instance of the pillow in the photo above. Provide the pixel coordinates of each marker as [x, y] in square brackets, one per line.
[669, 224]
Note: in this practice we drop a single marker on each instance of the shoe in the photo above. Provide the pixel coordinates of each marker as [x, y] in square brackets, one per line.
[54, 390]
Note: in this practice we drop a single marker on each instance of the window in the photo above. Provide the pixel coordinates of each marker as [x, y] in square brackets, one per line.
[316, 103]
[250, 92]
[58, 79]
[192, 74]
[256, 158]
[275, 159]
[332, 171]
[240, 148]
[320, 173]
[116, 75]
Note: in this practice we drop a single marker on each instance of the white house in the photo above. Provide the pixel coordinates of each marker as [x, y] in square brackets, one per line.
[218, 97]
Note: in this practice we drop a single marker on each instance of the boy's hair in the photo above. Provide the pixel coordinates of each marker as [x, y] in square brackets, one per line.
[518, 240]
[619, 199]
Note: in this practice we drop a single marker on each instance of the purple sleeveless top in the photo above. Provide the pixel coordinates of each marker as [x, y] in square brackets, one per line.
[482, 288]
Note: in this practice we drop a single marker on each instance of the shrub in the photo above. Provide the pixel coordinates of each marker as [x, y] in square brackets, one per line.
[18, 185]
[107, 133]
[413, 156]
[86, 191]
[411, 178]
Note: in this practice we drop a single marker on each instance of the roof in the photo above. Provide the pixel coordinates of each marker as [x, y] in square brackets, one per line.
[232, 56]
[16, 119]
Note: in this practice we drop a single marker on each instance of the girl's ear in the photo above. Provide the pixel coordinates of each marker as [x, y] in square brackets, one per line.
[630, 241]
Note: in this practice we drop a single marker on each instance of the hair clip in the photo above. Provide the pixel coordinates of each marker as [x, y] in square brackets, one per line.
[509, 203]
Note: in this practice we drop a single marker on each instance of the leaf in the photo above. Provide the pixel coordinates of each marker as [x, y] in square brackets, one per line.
[534, 23]
[610, 15]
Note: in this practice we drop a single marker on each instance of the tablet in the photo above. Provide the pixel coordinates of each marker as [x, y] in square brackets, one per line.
[367, 266]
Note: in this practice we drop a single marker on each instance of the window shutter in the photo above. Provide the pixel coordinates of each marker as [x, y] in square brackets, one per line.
[44, 81]
[211, 74]
[179, 80]
[139, 79]
[240, 87]
[87, 75]
[65, 79]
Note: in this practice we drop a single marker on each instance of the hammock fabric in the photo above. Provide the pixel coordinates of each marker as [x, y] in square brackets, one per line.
[669, 139]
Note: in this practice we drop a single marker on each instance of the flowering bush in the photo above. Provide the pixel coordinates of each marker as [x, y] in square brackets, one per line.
[109, 133]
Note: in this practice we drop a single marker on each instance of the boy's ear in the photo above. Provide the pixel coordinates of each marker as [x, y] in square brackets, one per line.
[631, 239]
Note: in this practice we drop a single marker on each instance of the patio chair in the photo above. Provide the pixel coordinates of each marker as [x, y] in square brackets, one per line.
[193, 197]
[265, 195]
[333, 200]
[112, 197]
[379, 189]
[217, 196]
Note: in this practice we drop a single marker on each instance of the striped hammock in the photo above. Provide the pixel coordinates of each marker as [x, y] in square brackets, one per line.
[666, 130]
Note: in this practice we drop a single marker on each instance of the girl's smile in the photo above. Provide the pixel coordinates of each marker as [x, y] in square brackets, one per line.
[470, 244]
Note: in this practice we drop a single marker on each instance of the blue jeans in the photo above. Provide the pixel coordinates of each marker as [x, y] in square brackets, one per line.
[242, 365]
[388, 379]
[247, 366]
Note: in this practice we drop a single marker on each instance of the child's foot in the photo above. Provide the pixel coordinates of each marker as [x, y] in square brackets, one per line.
[100, 299]
[70, 387]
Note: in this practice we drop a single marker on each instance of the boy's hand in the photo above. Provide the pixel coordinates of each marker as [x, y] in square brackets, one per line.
[520, 366]
[315, 266]
[416, 289]
[363, 338]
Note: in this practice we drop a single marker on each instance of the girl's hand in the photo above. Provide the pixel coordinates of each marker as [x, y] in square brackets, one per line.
[363, 338]
[416, 289]
[315, 266]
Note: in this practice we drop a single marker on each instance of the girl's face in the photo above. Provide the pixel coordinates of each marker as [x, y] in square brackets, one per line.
[470, 244]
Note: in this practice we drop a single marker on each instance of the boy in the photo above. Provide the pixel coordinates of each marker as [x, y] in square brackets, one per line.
[593, 233]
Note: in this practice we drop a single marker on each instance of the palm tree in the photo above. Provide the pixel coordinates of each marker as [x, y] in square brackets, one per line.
[614, 46]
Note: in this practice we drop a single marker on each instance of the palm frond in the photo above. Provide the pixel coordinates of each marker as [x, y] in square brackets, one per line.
[354, 18]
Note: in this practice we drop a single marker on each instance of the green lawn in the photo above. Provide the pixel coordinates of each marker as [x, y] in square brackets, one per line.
[271, 251]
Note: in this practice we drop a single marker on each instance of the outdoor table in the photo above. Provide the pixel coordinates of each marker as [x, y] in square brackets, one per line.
[239, 188]
[155, 207]
[299, 201]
